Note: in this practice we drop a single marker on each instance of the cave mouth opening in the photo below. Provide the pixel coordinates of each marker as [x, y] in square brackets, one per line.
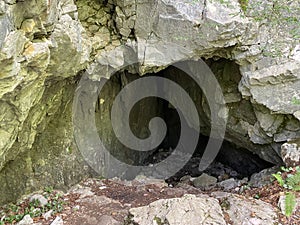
[232, 161]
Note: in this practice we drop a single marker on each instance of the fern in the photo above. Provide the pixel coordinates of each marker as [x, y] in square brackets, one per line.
[290, 203]
[279, 178]
[293, 181]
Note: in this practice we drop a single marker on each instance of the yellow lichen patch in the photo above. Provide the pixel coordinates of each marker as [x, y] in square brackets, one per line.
[28, 25]
[29, 50]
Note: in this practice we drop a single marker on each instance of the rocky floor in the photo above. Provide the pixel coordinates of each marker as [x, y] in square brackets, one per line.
[146, 201]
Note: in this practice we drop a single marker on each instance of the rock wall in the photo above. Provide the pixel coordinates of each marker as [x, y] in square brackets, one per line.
[46, 46]
[43, 48]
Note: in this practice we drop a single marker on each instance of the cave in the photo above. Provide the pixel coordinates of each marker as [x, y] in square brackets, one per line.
[48, 49]
[233, 159]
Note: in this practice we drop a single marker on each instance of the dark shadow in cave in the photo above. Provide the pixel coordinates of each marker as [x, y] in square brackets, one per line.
[241, 161]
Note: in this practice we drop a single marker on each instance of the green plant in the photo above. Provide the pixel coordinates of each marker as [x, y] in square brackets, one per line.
[244, 4]
[13, 213]
[279, 178]
[293, 181]
[295, 101]
[257, 196]
[290, 180]
[290, 203]
[48, 189]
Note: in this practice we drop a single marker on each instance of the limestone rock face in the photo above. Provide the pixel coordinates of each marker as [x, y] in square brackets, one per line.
[46, 46]
[42, 50]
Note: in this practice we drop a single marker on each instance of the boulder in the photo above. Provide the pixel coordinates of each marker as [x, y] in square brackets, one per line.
[246, 211]
[188, 209]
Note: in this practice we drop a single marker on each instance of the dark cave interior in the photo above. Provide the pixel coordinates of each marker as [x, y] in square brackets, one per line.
[240, 162]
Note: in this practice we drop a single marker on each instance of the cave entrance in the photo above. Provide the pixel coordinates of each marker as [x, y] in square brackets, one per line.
[232, 160]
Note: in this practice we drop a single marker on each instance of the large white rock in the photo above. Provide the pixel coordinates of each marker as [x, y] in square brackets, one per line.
[189, 209]
[243, 211]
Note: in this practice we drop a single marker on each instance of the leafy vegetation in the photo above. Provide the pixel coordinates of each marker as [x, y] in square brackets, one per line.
[295, 101]
[13, 213]
[290, 180]
[290, 203]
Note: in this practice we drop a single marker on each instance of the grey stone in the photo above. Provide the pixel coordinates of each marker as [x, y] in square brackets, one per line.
[244, 181]
[84, 191]
[48, 214]
[57, 221]
[27, 220]
[40, 198]
[246, 211]
[2, 7]
[188, 209]
[108, 220]
[263, 177]
[4, 28]
[204, 181]
[228, 184]
[290, 153]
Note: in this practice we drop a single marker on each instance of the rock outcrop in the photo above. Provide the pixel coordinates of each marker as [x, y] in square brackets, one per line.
[202, 209]
[46, 47]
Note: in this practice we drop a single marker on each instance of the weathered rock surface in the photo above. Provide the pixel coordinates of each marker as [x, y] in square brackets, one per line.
[46, 46]
[27, 220]
[42, 50]
[202, 209]
[246, 211]
[228, 184]
[40, 198]
[150, 201]
[263, 177]
[204, 181]
[188, 209]
[290, 153]
[58, 221]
